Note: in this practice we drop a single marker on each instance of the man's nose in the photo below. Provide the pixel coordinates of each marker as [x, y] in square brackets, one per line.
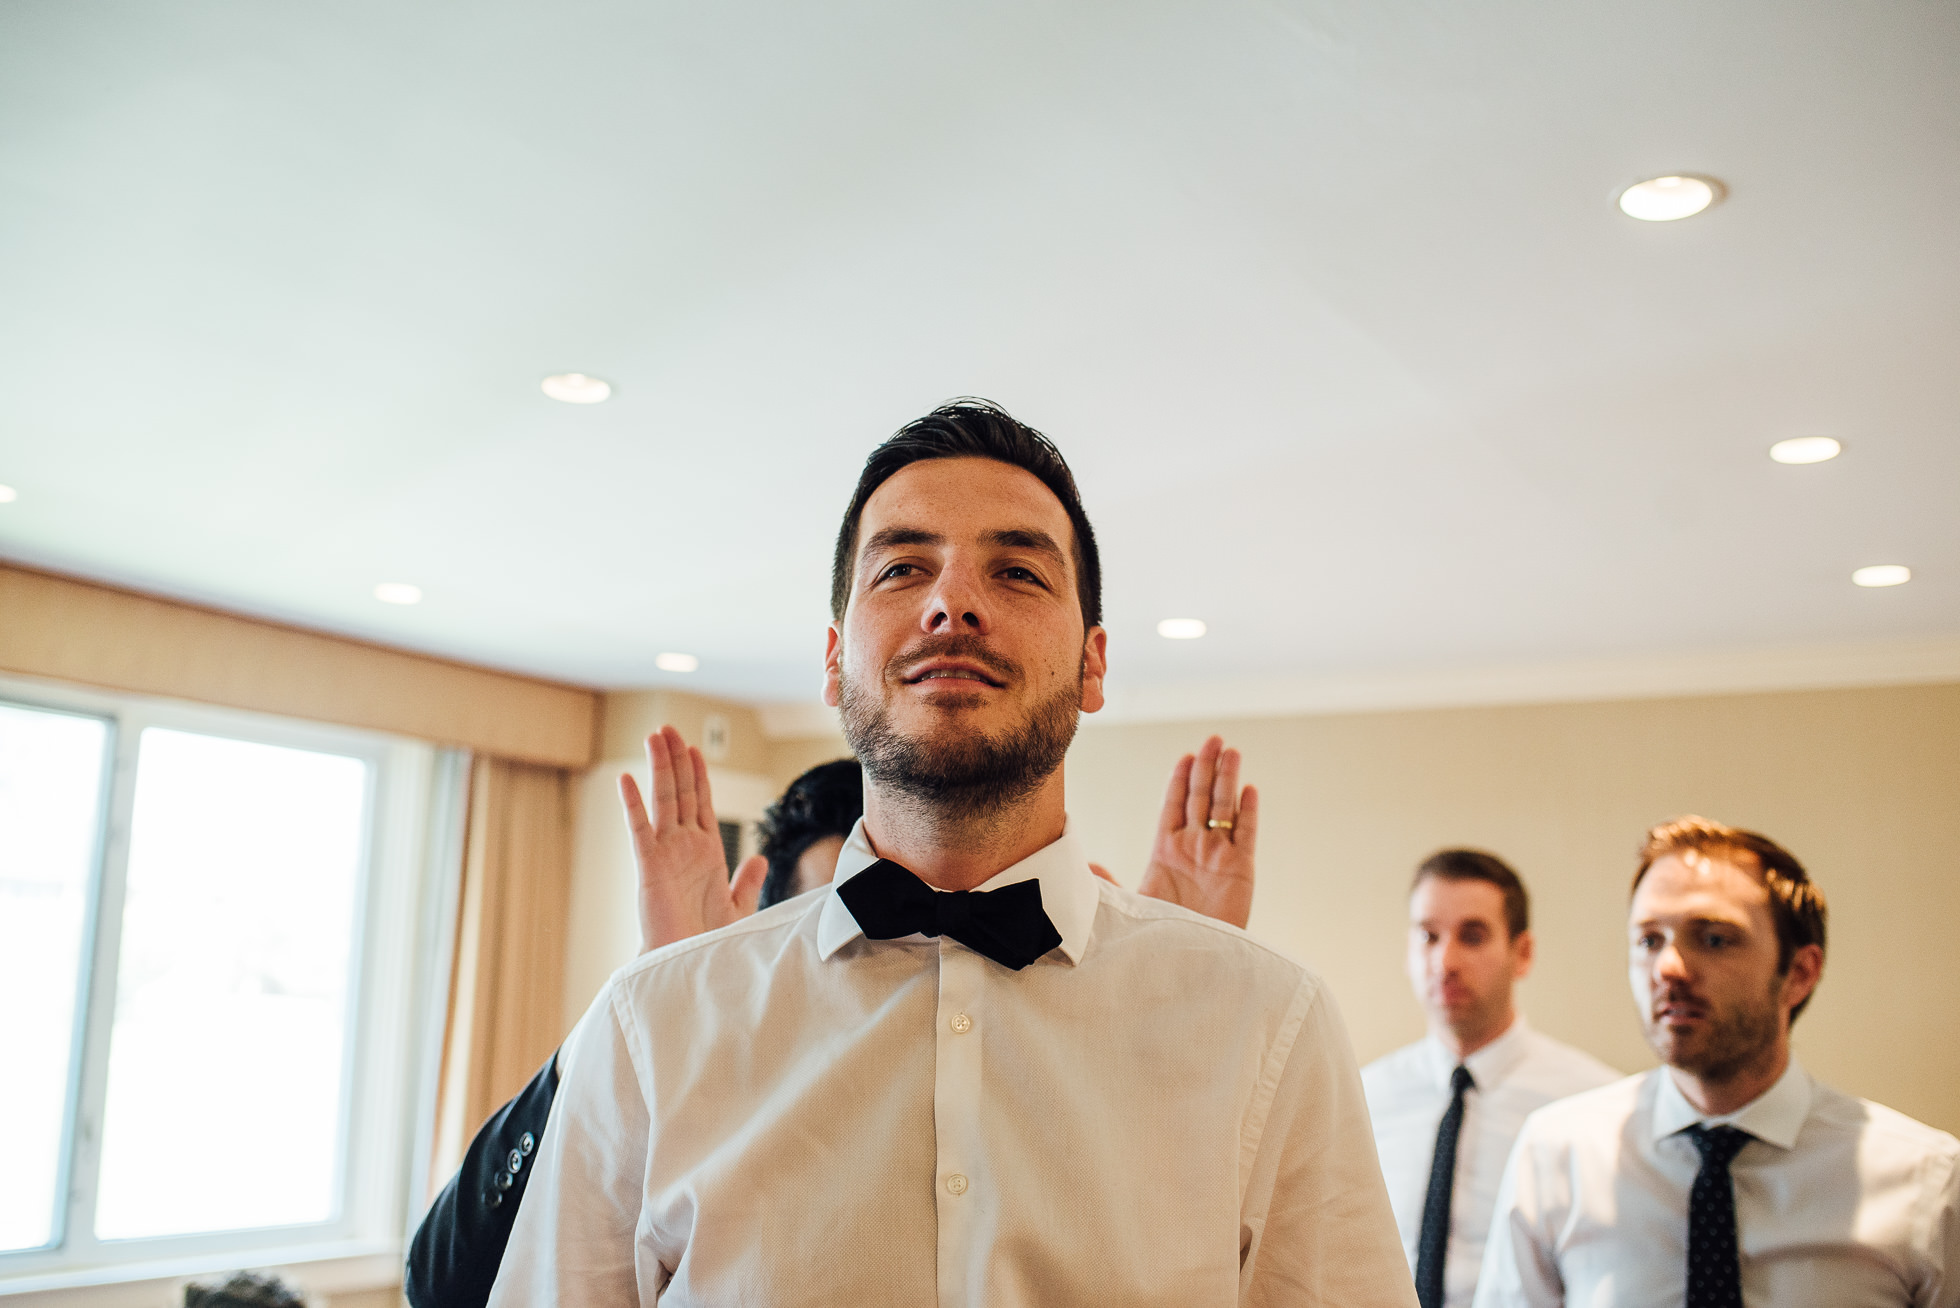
[1669, 965]
[956, 603]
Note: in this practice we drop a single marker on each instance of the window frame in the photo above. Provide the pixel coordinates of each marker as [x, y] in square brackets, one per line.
[406, 896]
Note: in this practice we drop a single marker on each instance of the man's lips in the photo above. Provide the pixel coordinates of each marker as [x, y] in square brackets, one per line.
[1679, 1013]
[950, 670]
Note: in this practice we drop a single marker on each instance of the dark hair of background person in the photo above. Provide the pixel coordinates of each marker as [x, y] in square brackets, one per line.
[1477, 865]
[1795, 903]
[825, 801]
[243, 1290]
[972, 429]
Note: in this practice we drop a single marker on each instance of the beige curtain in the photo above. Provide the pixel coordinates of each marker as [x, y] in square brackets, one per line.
[507, 979]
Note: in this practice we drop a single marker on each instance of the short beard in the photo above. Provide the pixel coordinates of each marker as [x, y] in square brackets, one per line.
[1733, 1041]
[959, 779]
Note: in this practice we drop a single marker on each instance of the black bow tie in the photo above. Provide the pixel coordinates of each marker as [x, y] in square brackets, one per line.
[1007, 925]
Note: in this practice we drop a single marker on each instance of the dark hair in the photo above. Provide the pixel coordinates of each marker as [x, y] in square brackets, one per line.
[971, 429]
[1795, 903]
[1477, 865]
[243, 1290]
[825, 801]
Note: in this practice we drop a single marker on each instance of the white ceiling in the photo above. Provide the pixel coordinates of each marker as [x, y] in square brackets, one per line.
[1329, 305]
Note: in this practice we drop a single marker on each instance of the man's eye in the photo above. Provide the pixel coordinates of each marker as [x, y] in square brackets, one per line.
[1648, 941]
[898, 570]
[1019, 574]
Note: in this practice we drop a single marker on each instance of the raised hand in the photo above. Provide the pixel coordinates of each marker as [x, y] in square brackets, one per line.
[1202, 857]
[684, 884]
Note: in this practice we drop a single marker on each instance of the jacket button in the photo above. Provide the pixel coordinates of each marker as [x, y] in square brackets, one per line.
[515, 1162]
[527, 1143]
[494, 1200]
[502, 1180]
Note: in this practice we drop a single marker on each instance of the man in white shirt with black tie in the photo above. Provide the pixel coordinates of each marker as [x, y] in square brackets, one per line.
[1447, 1108]
[967, 1072]
[1728, 1176]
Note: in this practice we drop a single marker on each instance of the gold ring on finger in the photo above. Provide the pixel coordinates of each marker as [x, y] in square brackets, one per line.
[1218, 824]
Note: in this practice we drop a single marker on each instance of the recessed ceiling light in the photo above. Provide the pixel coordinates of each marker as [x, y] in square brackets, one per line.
[676, 662]
[1882, 574]
[398, 592]
[1181, 628]
[1664, 199]
[575, 388]
[8, 494]
[1805, 449]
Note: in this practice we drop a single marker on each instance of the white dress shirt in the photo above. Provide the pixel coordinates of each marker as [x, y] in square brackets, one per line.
[1838, 1202]
[1409, 1091]
[1159, 1111]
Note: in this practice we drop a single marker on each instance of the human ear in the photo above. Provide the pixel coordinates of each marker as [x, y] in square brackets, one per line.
[833, 664]
[1524, 948]
[1806, 970]
[1095, 665]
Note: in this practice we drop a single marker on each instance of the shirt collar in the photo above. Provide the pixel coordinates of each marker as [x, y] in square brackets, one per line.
[1068, 891]
[1774, 1116]
[1489, 1065]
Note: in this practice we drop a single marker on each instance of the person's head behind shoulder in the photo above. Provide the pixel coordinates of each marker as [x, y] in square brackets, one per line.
[1725, 946]
[243, 1290]
[804, 830]
[1470, 944]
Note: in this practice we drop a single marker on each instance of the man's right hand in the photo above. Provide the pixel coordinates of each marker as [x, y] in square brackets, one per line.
[684, 883]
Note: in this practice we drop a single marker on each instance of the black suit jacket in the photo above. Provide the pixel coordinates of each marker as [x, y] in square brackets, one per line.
[454, 1257]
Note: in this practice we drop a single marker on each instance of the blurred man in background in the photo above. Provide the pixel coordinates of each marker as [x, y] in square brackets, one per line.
[1447, 1108]
[1728, 1176]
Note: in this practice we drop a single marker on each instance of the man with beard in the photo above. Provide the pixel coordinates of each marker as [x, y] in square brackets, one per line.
[685, 889]
[1728, 1176]
[969, 1072]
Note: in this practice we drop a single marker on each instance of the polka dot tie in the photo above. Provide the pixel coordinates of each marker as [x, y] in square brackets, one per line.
[1714, 1265]
[1433, 1245]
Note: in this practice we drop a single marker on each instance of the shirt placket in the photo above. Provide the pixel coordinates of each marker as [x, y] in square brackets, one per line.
[959, 1030]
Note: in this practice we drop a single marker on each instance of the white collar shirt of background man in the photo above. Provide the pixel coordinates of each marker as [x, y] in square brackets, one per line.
[1159, 1111]
[1409, 1091]
[1839, 1202]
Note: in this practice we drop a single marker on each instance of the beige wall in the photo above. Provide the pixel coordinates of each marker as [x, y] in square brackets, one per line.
[1862, 785]
[790, 759]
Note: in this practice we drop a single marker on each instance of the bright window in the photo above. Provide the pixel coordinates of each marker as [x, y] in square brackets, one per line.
[232, 991]
[218, 951]
[51, 772]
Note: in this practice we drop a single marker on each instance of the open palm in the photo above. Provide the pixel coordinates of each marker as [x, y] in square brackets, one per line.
[685, 888]
[1206, 868]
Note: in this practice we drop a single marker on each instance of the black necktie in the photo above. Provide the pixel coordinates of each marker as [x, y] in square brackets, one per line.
[1434, 1243]
[1007, 925]
[1714, 1265]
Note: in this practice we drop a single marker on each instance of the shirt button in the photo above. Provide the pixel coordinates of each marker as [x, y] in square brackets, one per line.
[961, 1024]
[956, 1184]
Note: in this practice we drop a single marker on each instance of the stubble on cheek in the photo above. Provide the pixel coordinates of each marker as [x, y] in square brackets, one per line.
[1723, 1043]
